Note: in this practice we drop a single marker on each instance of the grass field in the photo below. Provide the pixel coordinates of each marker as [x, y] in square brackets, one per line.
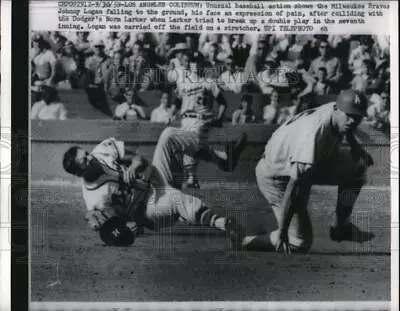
[70, 263]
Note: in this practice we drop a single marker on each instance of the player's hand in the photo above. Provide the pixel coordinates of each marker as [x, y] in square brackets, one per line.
[135, 170]
[130, 175]
[282, 244]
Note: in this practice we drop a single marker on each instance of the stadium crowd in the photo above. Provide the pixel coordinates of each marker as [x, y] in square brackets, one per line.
[117, 66]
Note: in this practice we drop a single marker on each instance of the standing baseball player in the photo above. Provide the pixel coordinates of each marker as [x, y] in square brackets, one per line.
[196, 94]
[305, 151]
[123, 192]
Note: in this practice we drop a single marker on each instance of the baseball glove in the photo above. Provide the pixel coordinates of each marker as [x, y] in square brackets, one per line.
[115, 232]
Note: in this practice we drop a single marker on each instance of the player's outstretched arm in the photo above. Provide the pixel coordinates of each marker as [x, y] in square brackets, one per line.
[296, 194]
[288, 207]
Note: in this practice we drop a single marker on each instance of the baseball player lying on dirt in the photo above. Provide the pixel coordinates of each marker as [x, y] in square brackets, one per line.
[305, 151]
[123, 192]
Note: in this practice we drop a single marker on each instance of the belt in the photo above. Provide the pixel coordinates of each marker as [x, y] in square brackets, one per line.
[196, 116]
[276, 177]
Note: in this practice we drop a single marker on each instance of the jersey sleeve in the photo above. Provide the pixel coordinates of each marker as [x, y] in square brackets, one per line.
[111, 147]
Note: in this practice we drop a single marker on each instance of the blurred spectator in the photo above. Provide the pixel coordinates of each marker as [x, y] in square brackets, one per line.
[231, 79]
[138, 67]
[267, 77]
[206, 41]
[163, 48]
[379, 77]
[378, 111]
[57, 40]
[130, 109]
[82, 43]
[98, 67]
[310, 50]
[164, 112]
[191, 42]
[244, 114]
[319, 86]
[179, 63]
[271, 111]
[43, 62]
[294, 50]
[224, 48]
[359, 54]
[49, 108]
[240, 50]
[254, 64]
[111, 43]
[119, 77]
[211, 57]
[67, 67]
[284, 69]
[363, 77]
[332, 64]
[280, 43]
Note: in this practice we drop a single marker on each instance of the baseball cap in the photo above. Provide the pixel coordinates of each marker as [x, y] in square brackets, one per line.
[352, 102]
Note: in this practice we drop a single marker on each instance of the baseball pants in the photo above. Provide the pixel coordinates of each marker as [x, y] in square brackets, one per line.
[177, 145]
[341, 170]
[167, 204]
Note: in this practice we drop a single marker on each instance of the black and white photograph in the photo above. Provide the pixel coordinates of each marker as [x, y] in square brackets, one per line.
[209, 167]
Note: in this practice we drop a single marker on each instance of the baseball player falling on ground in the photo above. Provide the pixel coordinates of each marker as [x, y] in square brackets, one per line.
[305, 151]
[123, 193]
[196, 94]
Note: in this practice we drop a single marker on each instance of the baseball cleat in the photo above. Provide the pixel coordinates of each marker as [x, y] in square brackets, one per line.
[234, 151]
[349, 232]
[235, 233]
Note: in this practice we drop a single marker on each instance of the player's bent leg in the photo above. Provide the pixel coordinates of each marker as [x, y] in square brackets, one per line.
[273, 189]
[194, 212]
[225, 160]
[168, 155]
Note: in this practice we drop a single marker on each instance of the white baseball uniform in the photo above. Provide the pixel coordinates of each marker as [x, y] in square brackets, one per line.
[164, 205]
[196, 117]
[307, 140]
